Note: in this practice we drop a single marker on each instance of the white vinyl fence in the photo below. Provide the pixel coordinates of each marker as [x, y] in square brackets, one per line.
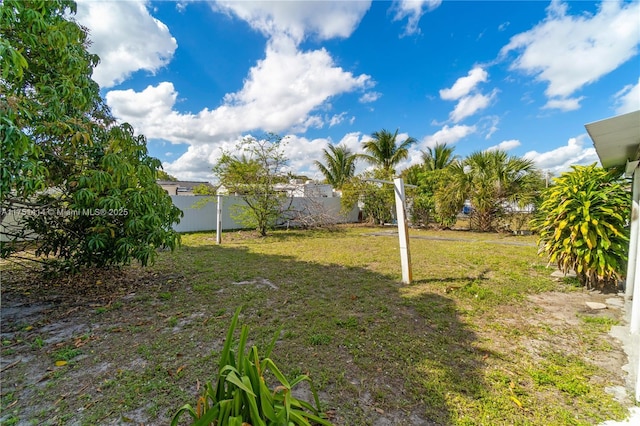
[200, 212]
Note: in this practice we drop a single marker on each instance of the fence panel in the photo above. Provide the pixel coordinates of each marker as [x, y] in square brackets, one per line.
[200, 212]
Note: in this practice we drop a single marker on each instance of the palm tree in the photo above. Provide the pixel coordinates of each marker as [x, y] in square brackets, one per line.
[490, 180]
[383, 152]
[438, 157]
[340, 165]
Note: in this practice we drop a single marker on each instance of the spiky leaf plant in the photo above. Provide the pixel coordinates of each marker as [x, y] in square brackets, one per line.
[241, 395]
[582, 224]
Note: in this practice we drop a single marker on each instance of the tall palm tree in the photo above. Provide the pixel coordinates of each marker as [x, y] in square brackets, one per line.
[489, 179]
[340, 165]
[438, 157]
[383, 151]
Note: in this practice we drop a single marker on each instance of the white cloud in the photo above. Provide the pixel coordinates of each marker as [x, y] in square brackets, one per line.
[280, 93]
[151, 112]
[181, 6]
[464, 85]
[336, 119]
[296, 20]
[505, 145]
[469, 105]
[198, 161]
[448, 135]
[354, 140]
[301, 152]
[196, 164]
[628, 98]
[282, 89]
[287, 90]
[369, 97]
[465, 91]
[562, 158]
[569, 52]
[564, 104]
[413, 11]
[489, 126]
[127, 39]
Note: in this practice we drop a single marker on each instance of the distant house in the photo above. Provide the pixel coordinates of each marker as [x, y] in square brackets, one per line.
[296, 188]
[300, 188]
[182, 187]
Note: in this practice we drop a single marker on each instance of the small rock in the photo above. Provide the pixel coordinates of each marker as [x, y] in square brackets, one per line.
[595, 305]
[617, 302]
[560, 274]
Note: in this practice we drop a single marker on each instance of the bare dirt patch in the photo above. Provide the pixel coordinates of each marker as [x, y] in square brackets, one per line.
[57, 335]
[561, 322]
[564, 311]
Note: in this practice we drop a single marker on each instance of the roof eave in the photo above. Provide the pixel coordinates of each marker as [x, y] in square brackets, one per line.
[616, 139]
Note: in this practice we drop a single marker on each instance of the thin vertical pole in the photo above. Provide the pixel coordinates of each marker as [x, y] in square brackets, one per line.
[219, 220]
[403, 231]
[633, 236]
[633, 278]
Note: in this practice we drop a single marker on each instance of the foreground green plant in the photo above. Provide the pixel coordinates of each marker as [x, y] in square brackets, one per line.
[242, 396]
[582, 222]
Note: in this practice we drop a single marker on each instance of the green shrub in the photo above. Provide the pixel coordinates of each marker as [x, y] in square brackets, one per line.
[241, 394]
[581, 223]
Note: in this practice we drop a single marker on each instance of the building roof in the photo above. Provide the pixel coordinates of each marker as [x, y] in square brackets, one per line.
[616, 139]
[183, 183]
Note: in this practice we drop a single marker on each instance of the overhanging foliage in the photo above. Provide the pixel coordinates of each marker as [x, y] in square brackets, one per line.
[76, 185]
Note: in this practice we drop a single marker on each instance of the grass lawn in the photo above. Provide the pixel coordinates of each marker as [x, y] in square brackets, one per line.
[474, 340]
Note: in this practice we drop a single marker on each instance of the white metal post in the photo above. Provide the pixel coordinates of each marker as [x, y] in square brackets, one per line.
[633, 275]
[633, 278]
[633, 237]
[403, 231]
[219, 220]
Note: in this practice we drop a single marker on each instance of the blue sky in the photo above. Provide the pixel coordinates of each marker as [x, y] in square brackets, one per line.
[196, 77]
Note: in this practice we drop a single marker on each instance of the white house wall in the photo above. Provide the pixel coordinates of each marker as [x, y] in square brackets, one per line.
[633, 284]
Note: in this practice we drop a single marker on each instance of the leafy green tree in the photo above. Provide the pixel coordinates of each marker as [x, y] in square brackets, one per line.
[378, 200]
[423, 209]
[439, 157]
[582, 224]
[427, 176]
[202, 189]
[492, 181]
[76, 186]
[412, 174]
[384, 153]
[162, 175]
[253, 176]
[340, 165]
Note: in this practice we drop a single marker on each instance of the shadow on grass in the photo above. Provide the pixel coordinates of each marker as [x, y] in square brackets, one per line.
[450, 373]
[377, 354]
[460, 280]
[375, 351]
